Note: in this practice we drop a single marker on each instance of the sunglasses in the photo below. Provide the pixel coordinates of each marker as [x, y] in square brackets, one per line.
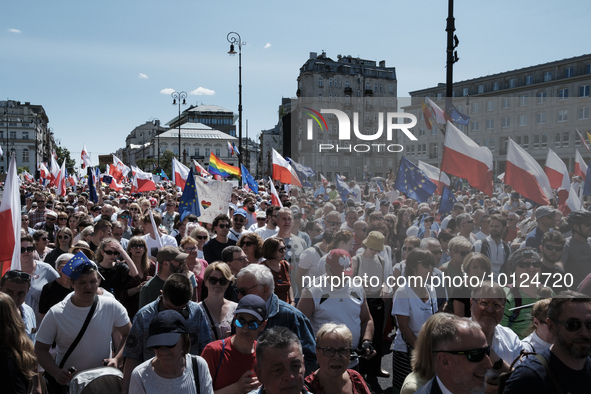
[28, 249]
[574, 325]
[252, 325]
[137, 246]
[214, 281]
[223, 226]
[243, 292]
[63, 237]
[528, 264]
[554, 248]
[201, 237]
[334, 223]
[474, 355]
[282, 250]
[24, 219]
[248, 243]
[485, 304]
[330, 352]
[124, 217]
[239, 220]
[44, 239]
[18, 274]
[49, 218]
[63, 219]
[189, 250]
[109, 252]
[407, 248]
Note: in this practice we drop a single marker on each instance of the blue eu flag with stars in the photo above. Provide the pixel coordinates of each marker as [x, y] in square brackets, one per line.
[189, 203]
[447, 202]
[248, 179]
[413, 182]
[75, 265]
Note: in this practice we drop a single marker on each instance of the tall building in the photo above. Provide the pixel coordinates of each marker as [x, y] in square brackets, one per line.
[213, 116]
[354, 86]
[138, 141]
[24, 129]
[540, 107]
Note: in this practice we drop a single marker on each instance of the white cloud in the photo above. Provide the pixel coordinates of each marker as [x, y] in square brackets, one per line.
[268, 45]
[202, 92]
[167, 91]
[15, 31]
[143, 76]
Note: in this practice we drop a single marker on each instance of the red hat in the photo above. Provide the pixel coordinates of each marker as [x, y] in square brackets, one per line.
[339, 259]
[153, 202]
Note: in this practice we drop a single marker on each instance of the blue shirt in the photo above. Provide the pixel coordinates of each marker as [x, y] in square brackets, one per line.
[534, 238]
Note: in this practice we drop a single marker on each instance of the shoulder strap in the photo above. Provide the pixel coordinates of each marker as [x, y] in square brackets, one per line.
[196, 373]
[215, 331]
[518, 302]
[220, 363]
[543, 361]
[485, 249]
[81, 333]
[318, 250]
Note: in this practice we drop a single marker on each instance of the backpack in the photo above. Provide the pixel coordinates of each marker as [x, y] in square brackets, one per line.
[504, 377]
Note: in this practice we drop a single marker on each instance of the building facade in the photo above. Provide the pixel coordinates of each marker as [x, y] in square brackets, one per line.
[138, 141]
[540, 107]
[213, 116]
[24, 130]
[358, 87]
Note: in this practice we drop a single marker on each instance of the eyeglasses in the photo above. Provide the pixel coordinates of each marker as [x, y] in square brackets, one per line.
[252, 325]
[282, 250]
[109, 252]
[28, 249]
[528, 264]
[137, 246]
[223, 226]
[243, 291]
[440, 251]
[248, 243]
[63, 237]
[474, 355]
[133, 209]
[485, 304]
[214, 281]
[334, 223]
[330, 352]
[189, 250]
[49, 218]
[554, 248]
[239, 220]
[407, 248]
[243, 258]
[316, 229]
[261, 219]
[574, 325]
[201, 237]
[63, 219]
[18, 274]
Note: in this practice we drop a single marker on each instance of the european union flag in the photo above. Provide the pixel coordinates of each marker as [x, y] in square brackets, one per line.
[305, 183]
[163, 175]
[413, 182]
[320, 190]
[447, 202]
[248, 179]
[458, 117]
[301, 170]
[91, 189]
[76, 264]
[343, 189]
[189, 203]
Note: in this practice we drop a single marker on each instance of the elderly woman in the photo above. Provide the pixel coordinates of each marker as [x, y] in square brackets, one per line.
[194, 265]
[252, 245]
[274, 253]
[63, 242]
[474, 265]
[55, 291]
[333, 353]
[202, 236]
[173, 369]
[423, 369]
[116, 275]
[413, 304]
[219, 311]
[137, 249]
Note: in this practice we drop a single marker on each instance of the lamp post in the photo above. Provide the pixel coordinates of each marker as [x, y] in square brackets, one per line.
[176, 96]
[234, 38]
[156, 123]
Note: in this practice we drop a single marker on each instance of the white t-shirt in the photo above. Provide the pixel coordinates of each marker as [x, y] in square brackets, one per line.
[152, 243]
[407, 303]
[235, 235]
[265, 232]
[313, 262]
[145, 381]
[63, 322]
[44, 273]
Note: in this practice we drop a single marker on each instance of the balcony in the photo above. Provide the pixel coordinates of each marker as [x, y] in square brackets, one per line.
[348, 91]
[368, 92]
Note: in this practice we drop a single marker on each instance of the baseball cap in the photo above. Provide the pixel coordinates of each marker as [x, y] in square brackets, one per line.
[240, 212]
[166, 329]
[52, 214]
[339, 259]
[169, 252]
[261, 215]
[384, 203]
[544, 211]
[253, 305]
[153, 202]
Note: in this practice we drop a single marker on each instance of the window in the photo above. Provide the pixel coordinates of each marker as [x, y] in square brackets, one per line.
[438, 97]
[518, 140]
[490, 124]
[379, 162]
[506, 103]
[320, 82]
[330, 82]
[506, 122]
[544, 140]
[197, 151]
[25, 155]
[421, 132]
[390, 163]
[319, 96]
[562, 115]
[512, 83]
[537, 141]
[434, 131]
[562, 94]
[391, 89]
[25, 135]
[480, 89]
[412, 150]
[477, 140]
[13, 135]
[492, 144]
[587, 68]
[541, 118]
[525, 142]
[319, 160]
[557, 140]
[584, 91]
[367, 86]
[465, 92]
[346, 161]
[584, 113]
[569, 72]
[547, 76]
[541, 97]
[486, 142]
[175, 150]
[218, 152]
[529, 80]
[207, 152]
[1, 134]
[334, 161]
[523, 100]
[330, 97]
[522, 120]
[347, 84]
[495, 86]
[565, 138]
[391, 103]
[490, 105]
[474, 125]
[475, 108]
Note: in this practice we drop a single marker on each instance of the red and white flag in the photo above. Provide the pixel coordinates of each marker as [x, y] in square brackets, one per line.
[28, 177]
[85, 158]
[283, 172]
[200, 170]
[142, 182]
[115, 185]
[55, 171]
[325, 182]
[61, 181]
[120, 165]
[72, 179]
[580, 166]
[572, 203]
[464, 158]
[526, 176]
[556, 171]
[10, 217]
[433, 173]
[180, 173]
[274, 196]
[440, 116]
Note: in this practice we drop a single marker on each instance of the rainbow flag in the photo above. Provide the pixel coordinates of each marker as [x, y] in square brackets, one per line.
[218, 167]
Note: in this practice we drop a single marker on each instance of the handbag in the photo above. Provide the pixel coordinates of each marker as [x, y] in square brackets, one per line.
[53, 386]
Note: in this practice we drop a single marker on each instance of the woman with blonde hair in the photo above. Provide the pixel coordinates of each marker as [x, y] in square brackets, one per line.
[201, 235]
[423, 369]
[18, 363]
[219, 311]
[475, 265]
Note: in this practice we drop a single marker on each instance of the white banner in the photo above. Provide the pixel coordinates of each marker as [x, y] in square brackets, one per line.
[214, 197]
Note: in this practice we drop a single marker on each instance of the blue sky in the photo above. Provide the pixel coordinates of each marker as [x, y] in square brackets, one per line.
[98, 68]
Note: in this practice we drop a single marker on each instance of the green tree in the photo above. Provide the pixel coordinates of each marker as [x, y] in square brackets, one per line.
[20, 170]
[145, 164]
[64, 153]
[166, 162]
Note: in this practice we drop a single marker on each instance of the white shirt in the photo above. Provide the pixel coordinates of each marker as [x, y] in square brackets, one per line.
[479, 235]
[265, 232]
[445, 222]
[235, 235]
[313, 262]
[537, 344]
[407, 303]
[506, 344]
[44, 273]
[152, 243]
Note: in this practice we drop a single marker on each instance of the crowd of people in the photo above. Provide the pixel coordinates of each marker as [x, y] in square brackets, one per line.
[304, 297]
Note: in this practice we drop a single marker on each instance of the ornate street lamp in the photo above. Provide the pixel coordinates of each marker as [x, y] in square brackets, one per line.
[176, 96]
[234, 38]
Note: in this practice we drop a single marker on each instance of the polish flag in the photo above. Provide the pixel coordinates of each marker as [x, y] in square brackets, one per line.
[72, 179]
[282, 170]
[580, 166]
[432, 173]
[55, 172]
[115, 186]
[115, 172]
[526, 176]
[120, 165]
[142, 182]
[556, 171]
[10, 217]
[61, 180]
[463, 157]
[29, 177]
[200, 169]
[180, 173]
[274, 196]
[325, 182]
[85, 158]
[43, 173]
[440, 116]
[572, 203]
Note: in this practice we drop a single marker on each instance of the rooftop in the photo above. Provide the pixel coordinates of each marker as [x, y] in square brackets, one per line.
[197, 131]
